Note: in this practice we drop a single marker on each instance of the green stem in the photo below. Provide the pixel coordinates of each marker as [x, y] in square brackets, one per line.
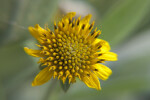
[50, 89]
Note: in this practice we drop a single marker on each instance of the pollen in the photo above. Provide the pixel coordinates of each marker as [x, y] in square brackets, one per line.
[71, 51]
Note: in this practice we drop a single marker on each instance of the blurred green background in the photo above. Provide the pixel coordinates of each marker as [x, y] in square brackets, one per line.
[124, 23]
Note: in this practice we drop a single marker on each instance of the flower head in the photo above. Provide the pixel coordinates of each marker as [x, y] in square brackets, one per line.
[71, 51]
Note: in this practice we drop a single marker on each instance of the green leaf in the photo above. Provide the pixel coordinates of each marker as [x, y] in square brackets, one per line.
[123, 19]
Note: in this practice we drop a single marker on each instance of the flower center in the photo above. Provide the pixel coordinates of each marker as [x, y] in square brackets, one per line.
[70, 55]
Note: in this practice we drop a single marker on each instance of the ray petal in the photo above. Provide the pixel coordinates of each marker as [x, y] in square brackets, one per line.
[69, 15]
[101, 71]
[104, 45]
[91, 81]
[108, 56]
[86, 19]
[37, 32]
[34, 53]
[43, 76]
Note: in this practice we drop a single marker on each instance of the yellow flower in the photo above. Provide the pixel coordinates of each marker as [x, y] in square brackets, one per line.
[71, 51]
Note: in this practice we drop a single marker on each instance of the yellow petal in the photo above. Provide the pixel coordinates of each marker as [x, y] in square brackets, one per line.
[43, 76]
[40, 30]
[96, 41]
[91, 80]
[35, 53]
[34, 32]
[86, 19]
[108, 56]
[105, 47]
[37, 32]
[69, 15]
[101, 71]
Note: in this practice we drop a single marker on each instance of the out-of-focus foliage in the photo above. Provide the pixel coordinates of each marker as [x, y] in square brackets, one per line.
[124, 23]
[128, 14]
[17, 15]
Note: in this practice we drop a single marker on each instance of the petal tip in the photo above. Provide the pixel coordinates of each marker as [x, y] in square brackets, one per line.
[30, 28]
[72, 13]
[33, 83]
[99, 88]
[26, 49]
